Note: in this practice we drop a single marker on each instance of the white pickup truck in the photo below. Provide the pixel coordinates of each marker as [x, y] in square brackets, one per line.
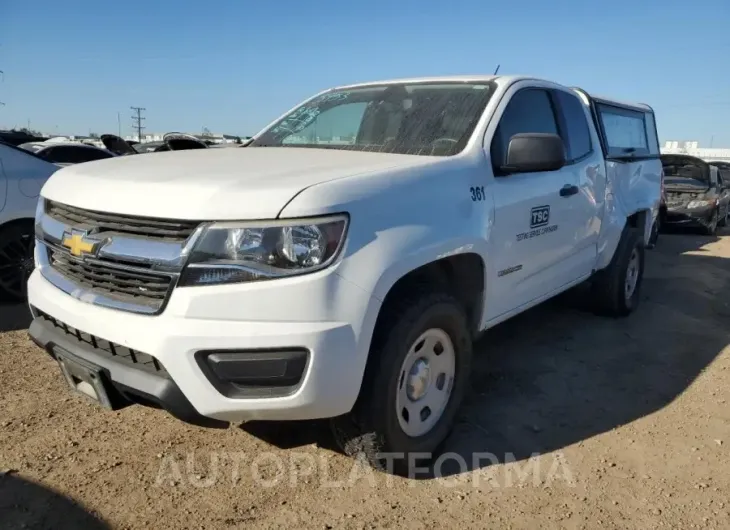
[341, 264]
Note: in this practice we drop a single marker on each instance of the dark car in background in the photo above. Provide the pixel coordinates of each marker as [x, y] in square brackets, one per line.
[64, 154]
[696, 195]
[723, 169]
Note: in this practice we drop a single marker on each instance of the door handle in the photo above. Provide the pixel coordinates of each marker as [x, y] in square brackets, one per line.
[568, 190]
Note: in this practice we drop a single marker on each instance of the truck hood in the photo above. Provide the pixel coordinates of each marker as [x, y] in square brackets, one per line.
[212, 184]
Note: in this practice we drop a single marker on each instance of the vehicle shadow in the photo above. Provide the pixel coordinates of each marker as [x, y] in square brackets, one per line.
[13, 316]
[26, 504]
[558, 374]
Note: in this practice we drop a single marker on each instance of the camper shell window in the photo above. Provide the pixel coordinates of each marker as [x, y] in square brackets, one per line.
[627, 133]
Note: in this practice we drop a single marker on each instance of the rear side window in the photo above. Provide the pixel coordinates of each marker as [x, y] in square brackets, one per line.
[576, 134]
[628, 132]
[74, 155]
[90, 154]
[529, 111]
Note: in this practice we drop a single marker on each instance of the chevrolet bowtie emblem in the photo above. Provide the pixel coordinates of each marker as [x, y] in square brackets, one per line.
[78, 245]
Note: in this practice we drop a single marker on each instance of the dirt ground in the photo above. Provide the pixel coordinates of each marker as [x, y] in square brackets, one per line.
[576, 421]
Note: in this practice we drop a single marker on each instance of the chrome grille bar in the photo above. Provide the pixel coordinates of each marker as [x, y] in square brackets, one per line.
[105, 222]
[136, 263]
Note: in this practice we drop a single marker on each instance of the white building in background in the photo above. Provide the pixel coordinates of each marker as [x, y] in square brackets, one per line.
[211, 137]
[708, 154]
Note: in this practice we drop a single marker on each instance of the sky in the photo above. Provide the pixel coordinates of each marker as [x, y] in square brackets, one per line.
[233, 66]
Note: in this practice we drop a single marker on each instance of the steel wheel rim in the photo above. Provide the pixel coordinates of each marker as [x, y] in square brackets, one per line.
[425, 382]
[632, 274]
[16, 265]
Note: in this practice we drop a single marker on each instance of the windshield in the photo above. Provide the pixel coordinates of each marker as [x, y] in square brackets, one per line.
[415, 119]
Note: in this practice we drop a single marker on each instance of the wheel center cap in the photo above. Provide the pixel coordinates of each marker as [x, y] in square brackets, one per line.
[418, 378]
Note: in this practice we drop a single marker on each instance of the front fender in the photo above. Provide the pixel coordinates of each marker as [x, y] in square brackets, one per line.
[401, 220]
[398, 251]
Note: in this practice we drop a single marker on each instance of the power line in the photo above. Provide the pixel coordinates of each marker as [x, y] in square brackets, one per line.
[138, 120]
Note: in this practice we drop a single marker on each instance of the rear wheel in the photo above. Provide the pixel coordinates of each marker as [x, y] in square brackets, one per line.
[417, 375]
[617, 288]
[16, 260]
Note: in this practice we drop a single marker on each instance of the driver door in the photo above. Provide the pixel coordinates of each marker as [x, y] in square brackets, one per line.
[533, 235]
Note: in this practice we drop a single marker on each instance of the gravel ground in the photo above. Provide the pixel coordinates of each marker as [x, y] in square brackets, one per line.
[576, 422]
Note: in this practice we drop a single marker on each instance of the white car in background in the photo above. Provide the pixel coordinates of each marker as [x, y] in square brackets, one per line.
[67, 153]
[22, 175]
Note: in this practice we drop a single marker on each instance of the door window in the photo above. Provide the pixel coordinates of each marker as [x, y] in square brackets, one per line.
[529, 111]
[576, 134]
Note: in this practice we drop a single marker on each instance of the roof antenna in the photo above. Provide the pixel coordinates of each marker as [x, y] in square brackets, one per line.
[496, 69]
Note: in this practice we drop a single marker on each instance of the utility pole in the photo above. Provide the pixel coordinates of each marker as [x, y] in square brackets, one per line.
[119, 124]
[2, 77]
[138, 120]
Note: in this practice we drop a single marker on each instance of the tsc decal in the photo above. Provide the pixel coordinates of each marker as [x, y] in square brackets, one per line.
[539, 221]
[539, 216]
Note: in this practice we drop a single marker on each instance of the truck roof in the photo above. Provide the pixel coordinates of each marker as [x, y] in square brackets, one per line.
[502, 79]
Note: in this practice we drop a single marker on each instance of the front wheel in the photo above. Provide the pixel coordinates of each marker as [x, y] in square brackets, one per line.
[417, 375]
[16, 260]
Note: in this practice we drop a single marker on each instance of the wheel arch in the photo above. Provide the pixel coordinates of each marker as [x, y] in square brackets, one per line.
[461, 275]
[17, 221]
[641, 220]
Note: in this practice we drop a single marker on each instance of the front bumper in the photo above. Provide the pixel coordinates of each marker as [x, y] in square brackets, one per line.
[223, 319]
[684, 216]
[127, 384]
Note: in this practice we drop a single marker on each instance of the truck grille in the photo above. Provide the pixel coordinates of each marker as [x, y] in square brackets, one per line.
[106, 348]
[113, 280]
[149, 227]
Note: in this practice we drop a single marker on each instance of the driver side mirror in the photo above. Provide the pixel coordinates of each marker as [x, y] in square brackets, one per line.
[533, 152]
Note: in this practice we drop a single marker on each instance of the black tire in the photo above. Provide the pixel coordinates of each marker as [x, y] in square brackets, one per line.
[16, 260]
[609, 285]
[372, 428]
[710, 229]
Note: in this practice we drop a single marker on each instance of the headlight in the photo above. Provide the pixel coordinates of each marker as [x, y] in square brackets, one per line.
[699, 204]
[263, 250]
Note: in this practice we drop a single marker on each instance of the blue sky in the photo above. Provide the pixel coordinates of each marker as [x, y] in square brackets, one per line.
[234, 65]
